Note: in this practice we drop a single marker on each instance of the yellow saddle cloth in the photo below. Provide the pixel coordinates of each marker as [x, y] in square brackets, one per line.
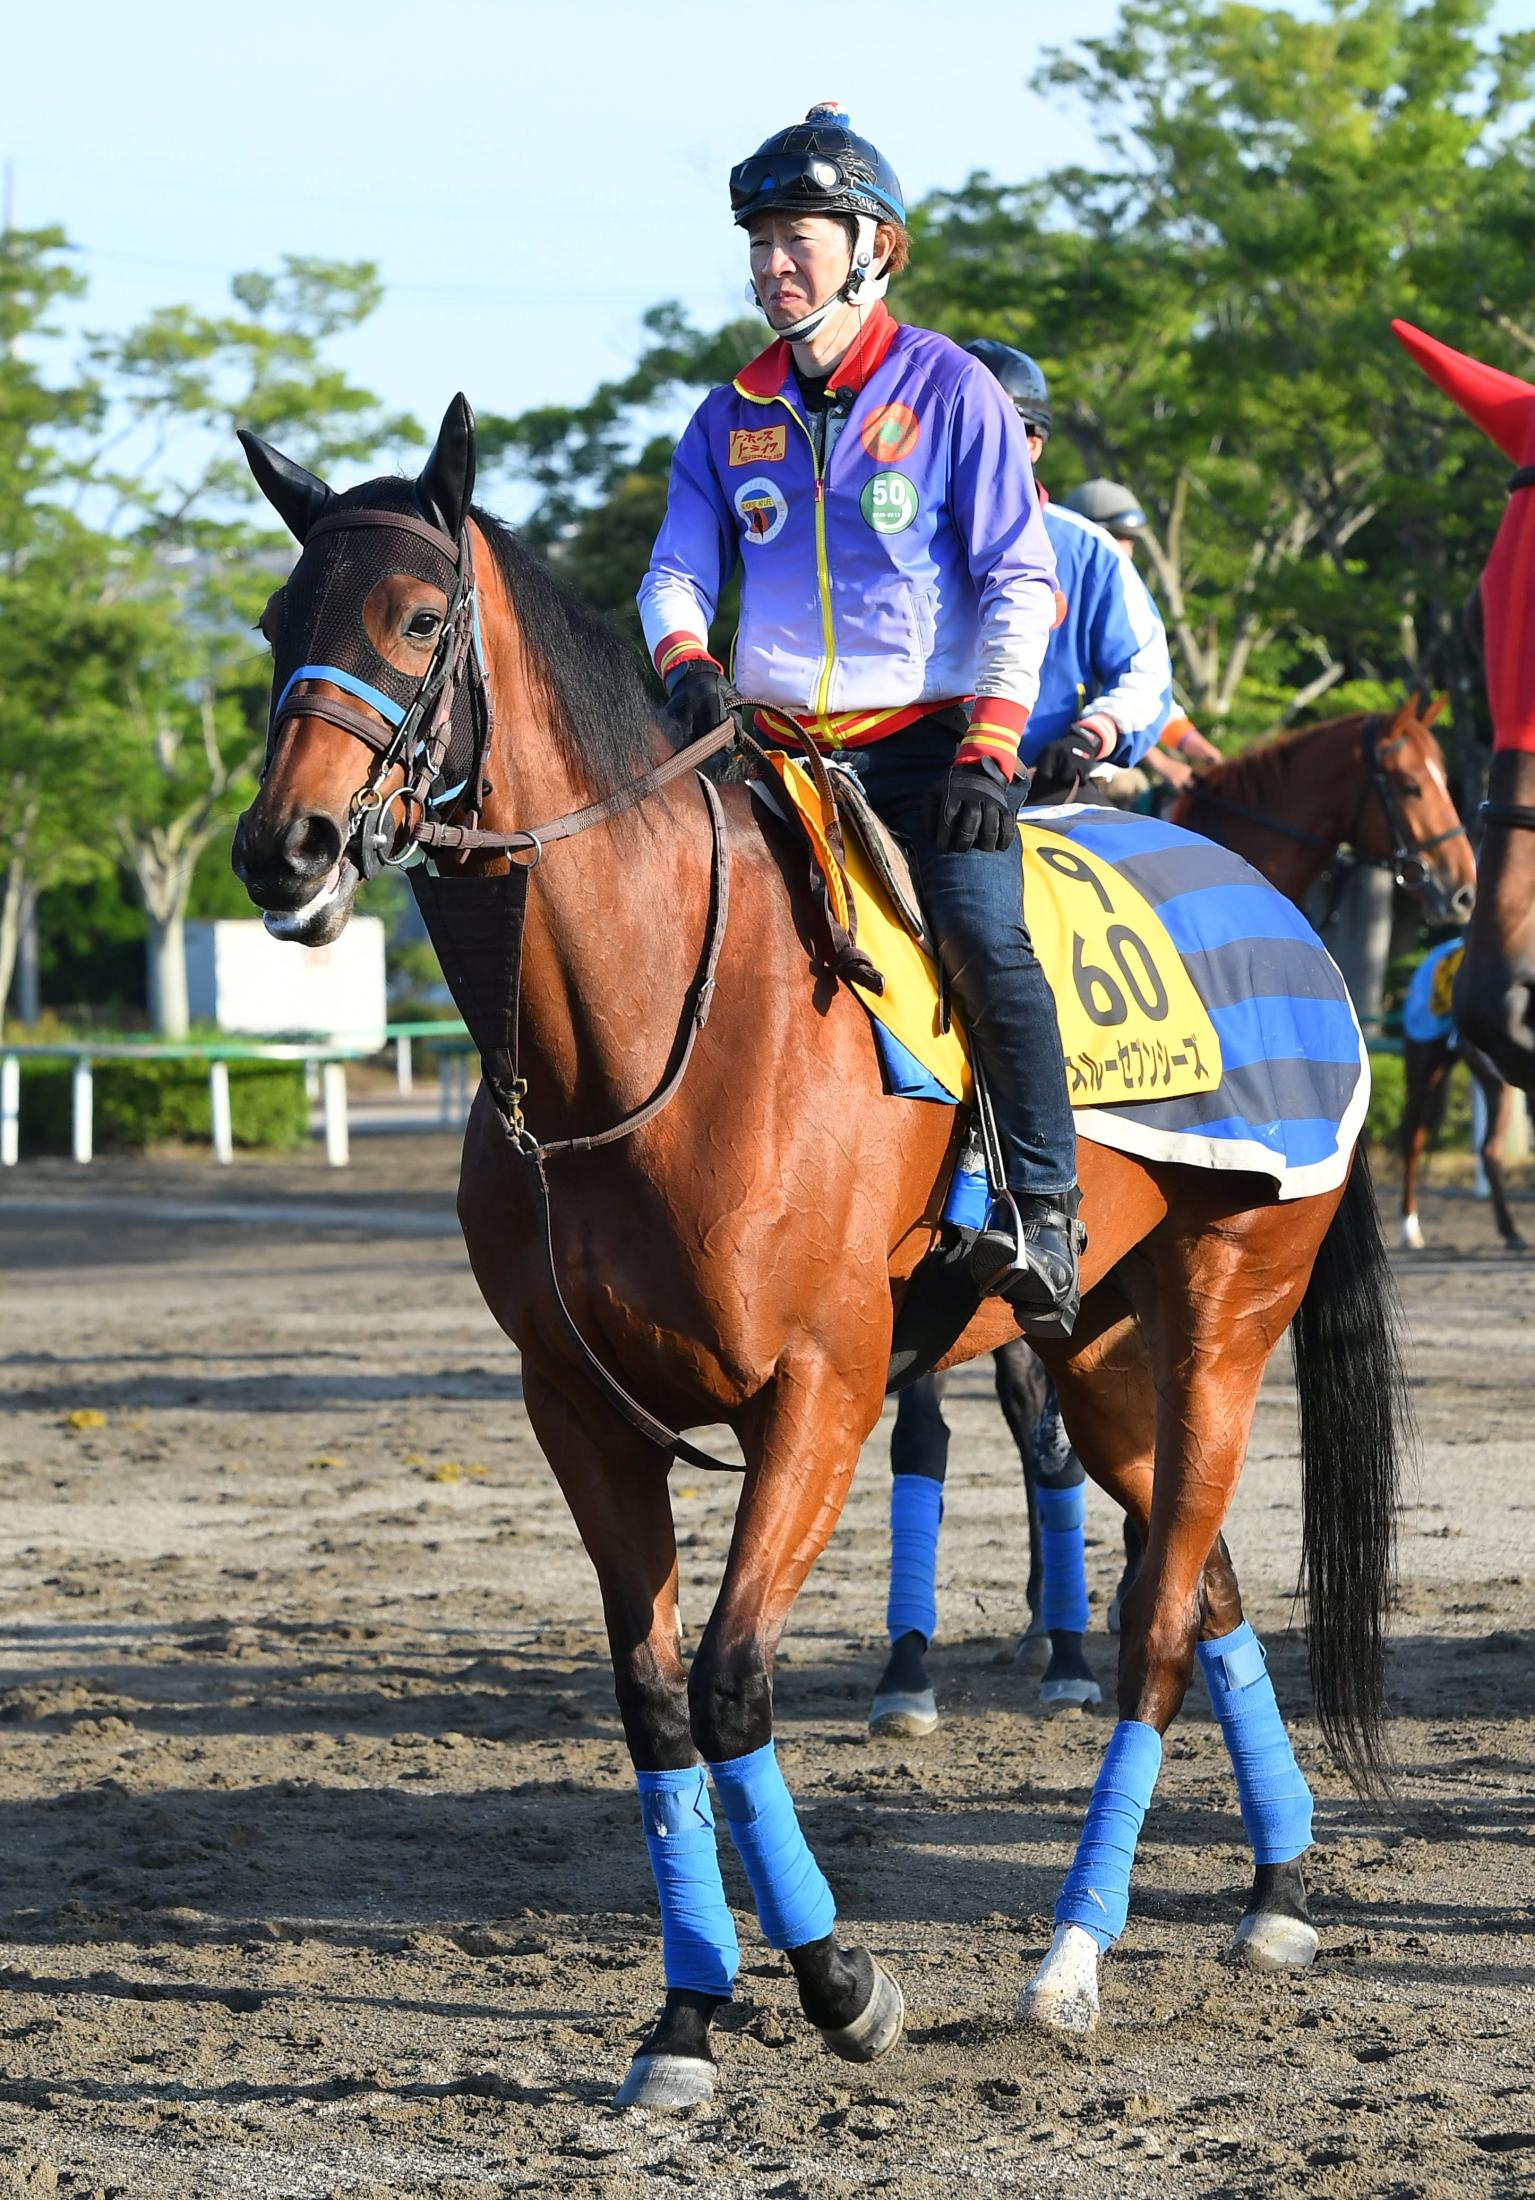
[1132, 1025]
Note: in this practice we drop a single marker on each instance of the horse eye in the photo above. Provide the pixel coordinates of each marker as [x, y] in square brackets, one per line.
[423, 625]
[1411, 787]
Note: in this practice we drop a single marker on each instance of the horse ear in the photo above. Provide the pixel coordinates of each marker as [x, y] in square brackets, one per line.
[1435, 707]
[1410, 708]
[446, 482]
[296, 496]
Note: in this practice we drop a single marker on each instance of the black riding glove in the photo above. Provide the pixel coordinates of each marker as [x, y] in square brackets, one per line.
[697, 701]
[1070, 757]
[971, 807]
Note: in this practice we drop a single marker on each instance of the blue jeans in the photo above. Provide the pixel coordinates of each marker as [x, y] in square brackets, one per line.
[974, 903]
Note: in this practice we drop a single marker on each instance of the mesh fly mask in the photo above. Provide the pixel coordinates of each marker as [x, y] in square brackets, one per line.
[436, 727]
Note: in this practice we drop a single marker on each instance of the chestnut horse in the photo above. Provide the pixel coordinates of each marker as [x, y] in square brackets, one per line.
[737, 1255]
[1373, 782]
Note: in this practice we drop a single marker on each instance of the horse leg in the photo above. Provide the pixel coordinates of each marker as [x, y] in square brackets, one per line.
[1275, 1931]
[1055, 1474]
[1022, 1389]
[1426, 1064]
[1134, 1548]
[1498, 1100]
[801, 1447]
[615, 1485]
[904, 1705]
[1217, 1301]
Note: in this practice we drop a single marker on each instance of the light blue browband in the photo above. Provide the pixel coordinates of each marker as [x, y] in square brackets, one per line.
[383, 704]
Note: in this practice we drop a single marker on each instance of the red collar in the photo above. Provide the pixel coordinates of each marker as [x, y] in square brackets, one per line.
[768, 373]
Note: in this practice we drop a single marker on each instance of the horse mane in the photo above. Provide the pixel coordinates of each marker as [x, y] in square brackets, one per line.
[1261, 775]
[582, 670]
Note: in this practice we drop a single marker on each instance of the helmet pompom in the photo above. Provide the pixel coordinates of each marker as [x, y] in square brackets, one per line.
[830, 110]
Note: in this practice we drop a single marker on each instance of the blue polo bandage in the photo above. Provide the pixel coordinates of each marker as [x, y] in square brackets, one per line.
[698, 1934]
[916, 1507]
[1271, 1788]
[794, 1903]
[1061, 1514]
[1096, 1895]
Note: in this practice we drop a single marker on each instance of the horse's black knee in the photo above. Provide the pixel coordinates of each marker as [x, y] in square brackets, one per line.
[653, 1704]
[730, 1699]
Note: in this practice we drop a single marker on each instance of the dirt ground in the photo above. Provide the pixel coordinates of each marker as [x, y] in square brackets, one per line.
[322, 1871]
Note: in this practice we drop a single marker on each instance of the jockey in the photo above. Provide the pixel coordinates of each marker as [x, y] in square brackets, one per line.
[1107, 684]
[897, 593]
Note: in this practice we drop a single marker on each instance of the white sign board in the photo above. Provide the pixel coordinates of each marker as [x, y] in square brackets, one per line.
[241, 979]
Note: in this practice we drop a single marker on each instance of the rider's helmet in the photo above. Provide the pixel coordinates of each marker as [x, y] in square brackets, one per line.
[1109, 503]
[821, 166]
[1022, 379]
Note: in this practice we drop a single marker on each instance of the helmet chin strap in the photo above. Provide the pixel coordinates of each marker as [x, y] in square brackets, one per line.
[861, 289]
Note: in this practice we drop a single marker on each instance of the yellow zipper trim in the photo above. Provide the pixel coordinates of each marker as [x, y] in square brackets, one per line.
[822, 569]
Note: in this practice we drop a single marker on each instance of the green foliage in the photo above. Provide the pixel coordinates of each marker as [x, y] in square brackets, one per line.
[139, 1104]
[1211, 299]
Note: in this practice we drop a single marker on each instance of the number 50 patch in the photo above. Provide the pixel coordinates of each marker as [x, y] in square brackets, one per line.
[1132, 1025]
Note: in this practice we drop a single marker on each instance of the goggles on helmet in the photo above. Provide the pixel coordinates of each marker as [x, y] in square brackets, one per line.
[812, 183]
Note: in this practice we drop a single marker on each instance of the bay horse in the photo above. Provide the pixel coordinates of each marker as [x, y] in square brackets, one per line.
[688, 1200]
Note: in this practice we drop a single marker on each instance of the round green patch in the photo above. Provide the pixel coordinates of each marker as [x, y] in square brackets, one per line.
[888, 503]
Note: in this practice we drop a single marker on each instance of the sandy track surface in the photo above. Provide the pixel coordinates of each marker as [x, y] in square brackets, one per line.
[322, 1868]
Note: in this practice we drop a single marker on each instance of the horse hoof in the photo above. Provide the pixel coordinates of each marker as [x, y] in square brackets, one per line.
[1062, 1996]
[666, 2081]
[903, 1715]
[1412, 1234]
[1270, 1941]
[1516, 1244]
[879, 2027]
[1073, 1694]
[1036, 1631]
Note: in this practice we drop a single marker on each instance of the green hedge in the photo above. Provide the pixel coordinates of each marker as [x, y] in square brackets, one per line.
[141, 1104]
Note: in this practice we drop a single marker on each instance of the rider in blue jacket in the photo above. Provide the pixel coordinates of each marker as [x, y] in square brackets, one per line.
[1106, 686]
[873, 485]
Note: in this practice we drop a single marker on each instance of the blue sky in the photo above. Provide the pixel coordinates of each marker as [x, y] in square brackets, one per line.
[529, 178]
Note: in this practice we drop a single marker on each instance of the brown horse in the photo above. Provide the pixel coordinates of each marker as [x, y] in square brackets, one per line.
[1371, 782]
[737, 1256]
[1289, 805]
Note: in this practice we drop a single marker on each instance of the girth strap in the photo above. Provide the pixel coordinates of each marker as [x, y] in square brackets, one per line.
[1519, 815]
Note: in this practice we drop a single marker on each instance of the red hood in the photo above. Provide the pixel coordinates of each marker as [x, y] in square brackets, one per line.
[1503, 407]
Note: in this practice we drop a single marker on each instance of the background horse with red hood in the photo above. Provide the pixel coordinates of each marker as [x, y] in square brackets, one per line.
[1495, 986]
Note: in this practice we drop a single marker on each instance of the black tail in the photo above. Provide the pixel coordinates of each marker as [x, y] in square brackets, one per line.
[1355, 1422]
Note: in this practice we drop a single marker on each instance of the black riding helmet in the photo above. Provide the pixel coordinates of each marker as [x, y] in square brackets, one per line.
[1022, 379]
[818, 166]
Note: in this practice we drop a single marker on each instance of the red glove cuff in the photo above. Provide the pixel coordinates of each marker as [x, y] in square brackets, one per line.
[676, 651]
[996, 728]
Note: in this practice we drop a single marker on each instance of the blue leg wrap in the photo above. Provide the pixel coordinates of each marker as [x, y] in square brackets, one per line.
[1061, 1514]
[794, 1902]
[698, 1934]
[916, 1507]
[1271, 1788]
[1096, 1895]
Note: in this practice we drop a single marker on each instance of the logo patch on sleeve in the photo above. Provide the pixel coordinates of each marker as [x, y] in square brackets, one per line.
[757, 446]
[763, 508]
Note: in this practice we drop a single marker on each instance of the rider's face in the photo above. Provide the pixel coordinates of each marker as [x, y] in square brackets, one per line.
[798, 261]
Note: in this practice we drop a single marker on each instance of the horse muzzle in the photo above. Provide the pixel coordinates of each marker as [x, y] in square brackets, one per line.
[297, 873]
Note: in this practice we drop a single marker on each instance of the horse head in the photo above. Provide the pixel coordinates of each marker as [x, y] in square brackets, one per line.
[369, 634]
[1413, 824]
